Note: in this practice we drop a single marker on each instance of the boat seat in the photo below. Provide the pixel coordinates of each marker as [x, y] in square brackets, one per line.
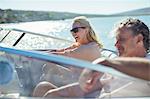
[6, 72]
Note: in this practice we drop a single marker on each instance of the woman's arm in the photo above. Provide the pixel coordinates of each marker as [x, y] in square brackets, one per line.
[73, 46]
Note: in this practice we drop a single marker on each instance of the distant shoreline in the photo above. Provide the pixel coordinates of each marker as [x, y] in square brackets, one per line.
[15, 16]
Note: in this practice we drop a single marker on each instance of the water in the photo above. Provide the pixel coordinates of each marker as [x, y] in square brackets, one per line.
[103, 27]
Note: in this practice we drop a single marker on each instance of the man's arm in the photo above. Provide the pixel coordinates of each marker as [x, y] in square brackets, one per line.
[70, 90]
[76, 89]
[137, 67]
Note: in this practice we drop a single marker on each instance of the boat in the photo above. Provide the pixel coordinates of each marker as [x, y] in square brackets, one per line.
[28, 66]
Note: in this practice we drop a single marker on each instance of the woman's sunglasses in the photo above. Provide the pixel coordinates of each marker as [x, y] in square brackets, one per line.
[76, 29]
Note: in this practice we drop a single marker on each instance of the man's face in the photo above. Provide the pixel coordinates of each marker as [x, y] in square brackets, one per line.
[126, 43]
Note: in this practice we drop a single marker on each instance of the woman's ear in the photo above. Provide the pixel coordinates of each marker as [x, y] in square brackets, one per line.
[87, 30]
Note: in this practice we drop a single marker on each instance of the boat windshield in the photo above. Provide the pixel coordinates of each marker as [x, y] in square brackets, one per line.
[30, 68]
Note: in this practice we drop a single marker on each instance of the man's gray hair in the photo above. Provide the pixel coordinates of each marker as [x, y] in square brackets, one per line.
[137, 27]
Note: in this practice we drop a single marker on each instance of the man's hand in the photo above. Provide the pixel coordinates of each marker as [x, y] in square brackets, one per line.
[89, 80]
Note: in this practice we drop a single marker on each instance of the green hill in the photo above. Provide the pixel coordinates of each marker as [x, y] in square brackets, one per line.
[11, 16]
[14, 16]
[137, 12]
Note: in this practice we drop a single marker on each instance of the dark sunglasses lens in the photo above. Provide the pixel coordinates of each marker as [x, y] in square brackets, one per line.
[74, 30]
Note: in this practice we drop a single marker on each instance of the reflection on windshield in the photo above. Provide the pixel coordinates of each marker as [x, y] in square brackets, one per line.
[28, 72]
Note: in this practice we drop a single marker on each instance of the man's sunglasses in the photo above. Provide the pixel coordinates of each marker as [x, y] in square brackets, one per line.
[76, 29]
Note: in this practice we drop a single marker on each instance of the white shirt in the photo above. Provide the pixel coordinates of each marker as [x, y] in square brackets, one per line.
[148, 56]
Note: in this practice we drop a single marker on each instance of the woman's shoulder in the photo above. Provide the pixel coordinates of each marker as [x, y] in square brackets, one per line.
[92, 45]
[87, 52]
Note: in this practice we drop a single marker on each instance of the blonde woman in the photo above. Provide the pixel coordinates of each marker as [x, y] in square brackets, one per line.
[86, 47]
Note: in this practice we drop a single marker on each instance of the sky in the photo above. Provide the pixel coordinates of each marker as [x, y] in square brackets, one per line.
[76, 6]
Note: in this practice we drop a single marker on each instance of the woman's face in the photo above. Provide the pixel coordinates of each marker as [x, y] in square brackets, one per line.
[79, 32]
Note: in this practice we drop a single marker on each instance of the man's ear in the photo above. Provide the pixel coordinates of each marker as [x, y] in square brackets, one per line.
[139, 38]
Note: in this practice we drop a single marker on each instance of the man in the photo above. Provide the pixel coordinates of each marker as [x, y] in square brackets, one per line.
[132, 42]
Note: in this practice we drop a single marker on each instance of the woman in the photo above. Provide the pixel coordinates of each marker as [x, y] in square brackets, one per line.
[86, 47]
[86, 41]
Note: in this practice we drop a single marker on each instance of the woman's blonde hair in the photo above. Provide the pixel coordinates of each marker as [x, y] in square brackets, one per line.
[91, 36]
